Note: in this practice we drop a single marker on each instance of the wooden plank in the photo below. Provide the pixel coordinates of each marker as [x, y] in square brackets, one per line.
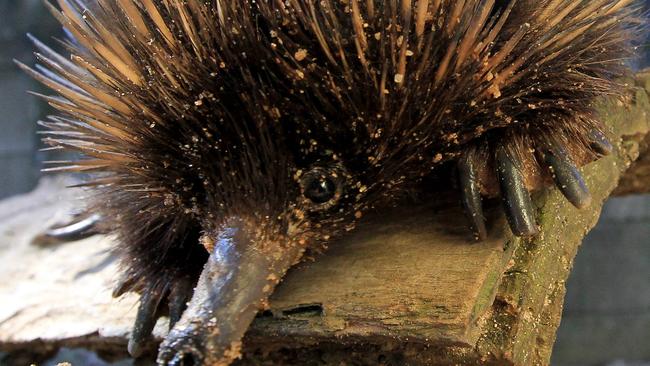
[60, 294]
[408, 273]
[389, 279]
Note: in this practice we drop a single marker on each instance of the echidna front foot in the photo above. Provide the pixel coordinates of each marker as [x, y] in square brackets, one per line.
[145, 321]
[151, 307]
[179, 296]
[516, 198]
[499, 170]
[599, 143]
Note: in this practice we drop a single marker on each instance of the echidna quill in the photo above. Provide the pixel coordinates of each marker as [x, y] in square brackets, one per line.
[230, 136]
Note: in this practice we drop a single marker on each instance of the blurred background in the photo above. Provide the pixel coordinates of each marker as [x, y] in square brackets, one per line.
[607, 311]
[19, 160]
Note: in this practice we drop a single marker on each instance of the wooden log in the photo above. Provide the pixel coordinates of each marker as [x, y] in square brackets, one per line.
[407, 287]
[637, 179]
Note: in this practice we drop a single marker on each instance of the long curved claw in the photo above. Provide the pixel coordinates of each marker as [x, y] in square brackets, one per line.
[179, 295]
[80, 227]
[567, 178]
[145, 321]
[471, 195]
[516, 199]
[599, 143]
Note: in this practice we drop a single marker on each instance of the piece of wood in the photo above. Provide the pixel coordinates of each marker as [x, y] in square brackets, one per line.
[57, 295]
[406, 287]
[637, 179]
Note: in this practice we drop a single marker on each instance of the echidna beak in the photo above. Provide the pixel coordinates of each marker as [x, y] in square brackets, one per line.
[516, 198]
[235, 283]
[471, 195]
[567, 178]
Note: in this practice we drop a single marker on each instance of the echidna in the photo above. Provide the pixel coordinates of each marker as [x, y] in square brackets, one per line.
[258, 128]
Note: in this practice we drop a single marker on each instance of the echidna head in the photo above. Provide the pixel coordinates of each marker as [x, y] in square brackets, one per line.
[261, 190]
[287, 172]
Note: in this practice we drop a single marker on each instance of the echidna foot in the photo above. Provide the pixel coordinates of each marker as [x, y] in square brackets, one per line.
[151, 308]
[179, 295]
[145, 321]
[514, 179]
[599, 143]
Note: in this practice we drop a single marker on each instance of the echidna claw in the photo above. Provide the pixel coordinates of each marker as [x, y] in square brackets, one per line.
[517, 203]
[471, 195]
[599, 143]
[179, 296]
[144, 322]
[79, 227]
[567, 177]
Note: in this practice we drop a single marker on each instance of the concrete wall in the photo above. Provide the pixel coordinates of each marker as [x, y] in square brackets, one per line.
[19, 161]
[607, 309]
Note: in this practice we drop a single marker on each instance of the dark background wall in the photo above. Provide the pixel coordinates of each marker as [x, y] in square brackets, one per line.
[19, 160]
[606, 317]
[607, 312]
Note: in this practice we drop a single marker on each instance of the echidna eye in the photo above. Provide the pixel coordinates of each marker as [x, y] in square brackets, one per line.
[322, 187]
[319, 189]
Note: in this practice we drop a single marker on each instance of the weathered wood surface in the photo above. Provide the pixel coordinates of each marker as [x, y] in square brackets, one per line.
[59, 294]
[637, 179]
[405, 288]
